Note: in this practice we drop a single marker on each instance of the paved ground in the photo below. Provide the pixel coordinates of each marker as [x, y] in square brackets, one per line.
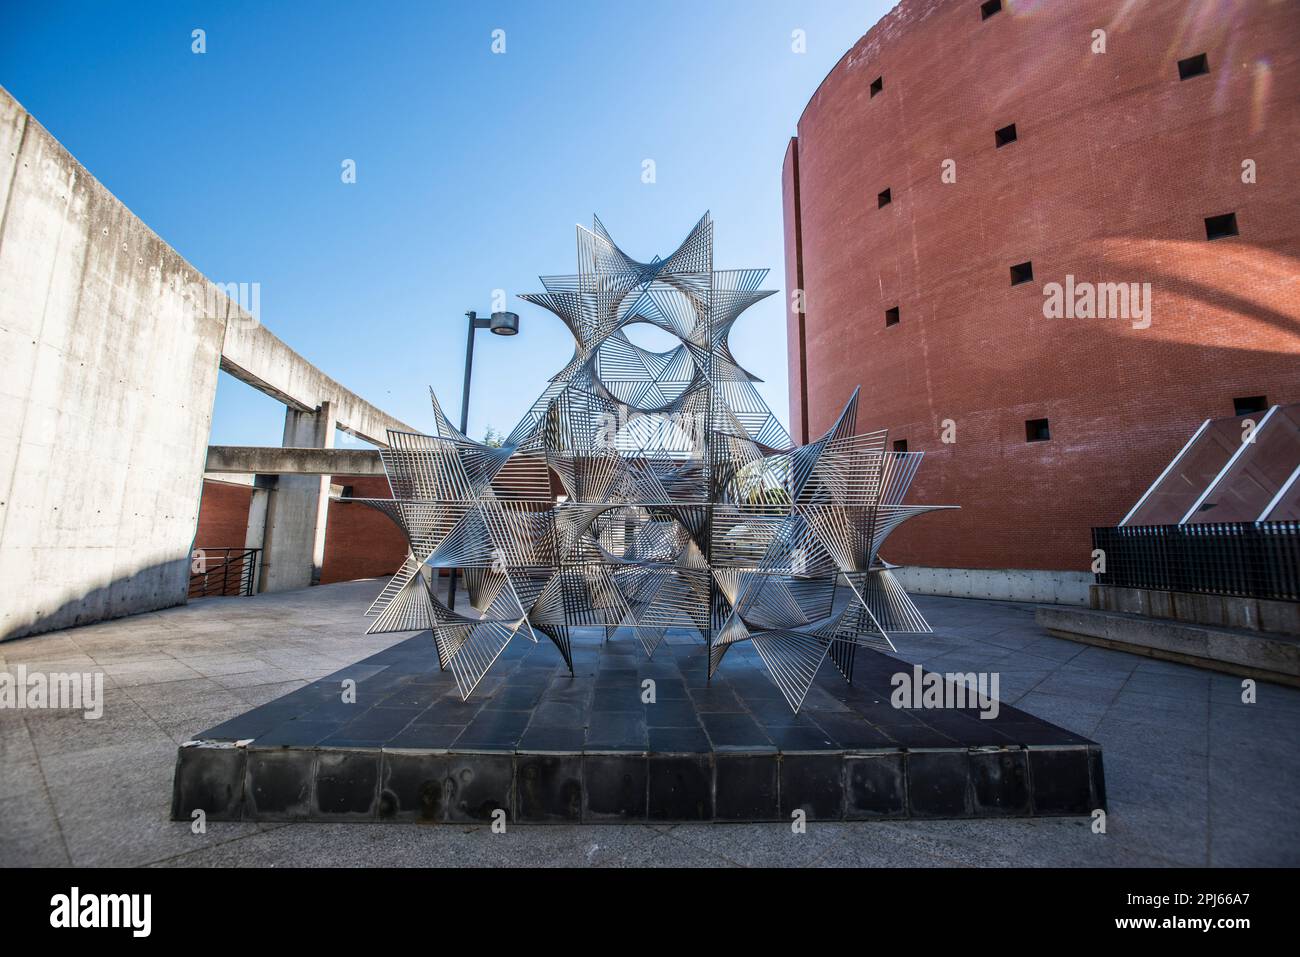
[1194, 775]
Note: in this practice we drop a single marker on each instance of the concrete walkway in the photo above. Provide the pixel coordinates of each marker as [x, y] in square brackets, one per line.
[1194, 775]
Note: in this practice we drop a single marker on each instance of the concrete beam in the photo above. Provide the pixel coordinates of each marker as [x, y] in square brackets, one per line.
[253, 354]
[262, 460]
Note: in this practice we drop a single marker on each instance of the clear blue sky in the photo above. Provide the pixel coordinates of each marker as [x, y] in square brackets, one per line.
[472, 168]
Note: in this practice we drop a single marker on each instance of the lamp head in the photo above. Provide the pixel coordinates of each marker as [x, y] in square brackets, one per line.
[504, 323]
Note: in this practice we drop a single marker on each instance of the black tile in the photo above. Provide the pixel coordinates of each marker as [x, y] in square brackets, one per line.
[774, 712]
[210, 780]
[374, 726]
[692, 740]
[851, 732]
[614, 787]
[495, 730]
[752, 683]
[970, 729]
[303, 733]
[516, 697]
[715, 699]
[1060, 780]
[478, 785]
[619, 676]
[569, 689]
[540, 737]
[746, 787]
[346, 785]
[426, 737]
[680, 788]
[670, 689]
[414, 786]
[543, 660]
[616, 731]
[799, 738]
[999, 782]
[331, 709]
[374, 689]
[938, 783]
[1098, 777]
[251, 723]
[671, 713]
[734, 731]
[626, 698]
[450, 709]
[1034, 732]
[559, 714]
[526, 676]
[278, 784]
[548, 787]
[661, 667]
[408, 696]
[876, 786]
[813, 783]
[696, 677]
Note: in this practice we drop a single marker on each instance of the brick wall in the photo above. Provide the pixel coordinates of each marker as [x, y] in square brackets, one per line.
[223, 515]
[1116, 165]
[359, 541]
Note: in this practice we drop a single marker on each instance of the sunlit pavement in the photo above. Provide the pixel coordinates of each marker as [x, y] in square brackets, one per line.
[1194, 775]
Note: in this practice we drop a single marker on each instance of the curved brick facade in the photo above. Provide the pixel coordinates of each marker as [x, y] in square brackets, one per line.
[1116, 165]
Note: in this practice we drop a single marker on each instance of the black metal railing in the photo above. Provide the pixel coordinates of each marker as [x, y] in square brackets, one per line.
[1244, 559]
[223, 571]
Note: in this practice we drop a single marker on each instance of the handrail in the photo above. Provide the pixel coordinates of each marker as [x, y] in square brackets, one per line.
[223, 571]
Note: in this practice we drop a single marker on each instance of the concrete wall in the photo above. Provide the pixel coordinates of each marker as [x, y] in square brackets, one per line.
[110, 345]
[1002, 584]
[108, 369]
[1217, 611]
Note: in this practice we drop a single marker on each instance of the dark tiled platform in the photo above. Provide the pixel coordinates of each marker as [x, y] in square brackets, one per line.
[545, 746]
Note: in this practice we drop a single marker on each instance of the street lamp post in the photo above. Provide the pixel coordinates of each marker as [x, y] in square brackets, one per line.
[501, 324]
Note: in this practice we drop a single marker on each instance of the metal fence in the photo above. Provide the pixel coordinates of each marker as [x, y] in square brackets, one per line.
[1245, 559]
[223, 571]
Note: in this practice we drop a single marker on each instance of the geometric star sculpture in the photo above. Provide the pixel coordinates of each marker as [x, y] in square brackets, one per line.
[651, 491]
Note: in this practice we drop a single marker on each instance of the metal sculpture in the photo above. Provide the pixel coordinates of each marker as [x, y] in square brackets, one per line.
[651, 491]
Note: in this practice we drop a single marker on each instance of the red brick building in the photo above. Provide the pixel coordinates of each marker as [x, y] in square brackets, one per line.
[961, 157]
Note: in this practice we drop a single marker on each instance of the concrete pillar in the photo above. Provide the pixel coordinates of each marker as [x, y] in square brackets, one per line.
[298, 508]
[255, 537]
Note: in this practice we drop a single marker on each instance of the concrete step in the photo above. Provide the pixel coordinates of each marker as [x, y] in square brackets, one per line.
[1251, 654]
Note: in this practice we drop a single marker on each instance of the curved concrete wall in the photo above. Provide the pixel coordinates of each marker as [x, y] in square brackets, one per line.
[110, 345]
[108, 371]
[1116, 165]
